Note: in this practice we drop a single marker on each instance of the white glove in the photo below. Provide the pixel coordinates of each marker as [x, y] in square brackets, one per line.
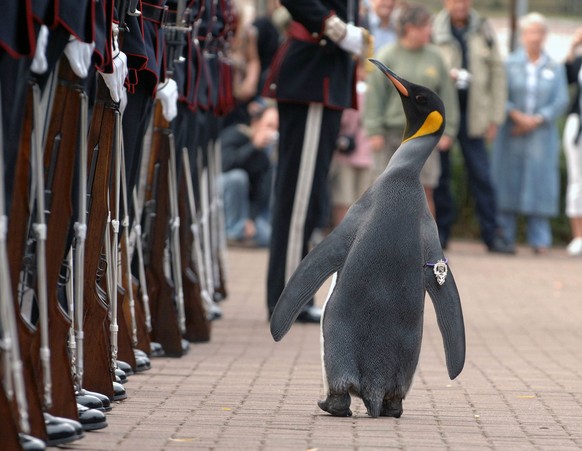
[167, 94]
[115, 81]
[39, 62]
[353, 41]
[347, 36]
[79, 55]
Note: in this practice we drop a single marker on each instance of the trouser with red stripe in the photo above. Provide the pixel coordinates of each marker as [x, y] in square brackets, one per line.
[308, 133]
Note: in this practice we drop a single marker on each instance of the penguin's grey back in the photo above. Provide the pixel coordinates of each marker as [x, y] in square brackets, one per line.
[374, 319]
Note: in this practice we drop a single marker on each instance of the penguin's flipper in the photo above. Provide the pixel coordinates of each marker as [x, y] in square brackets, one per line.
[447, 305]
[325, 259]
[445, 298]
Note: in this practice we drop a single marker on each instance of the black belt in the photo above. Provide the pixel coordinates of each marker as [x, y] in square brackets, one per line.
[154, 13]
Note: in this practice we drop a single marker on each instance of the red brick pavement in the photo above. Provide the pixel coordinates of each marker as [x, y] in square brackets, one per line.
[521, 387]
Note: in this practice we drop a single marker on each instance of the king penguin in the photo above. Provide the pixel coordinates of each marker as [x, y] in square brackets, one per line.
[384, 256]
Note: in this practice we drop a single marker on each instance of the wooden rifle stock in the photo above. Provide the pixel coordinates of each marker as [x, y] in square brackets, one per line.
[17, 231]
[62, 137]
[8, 426]
[98, 374]
[134, 318]
[165, 327]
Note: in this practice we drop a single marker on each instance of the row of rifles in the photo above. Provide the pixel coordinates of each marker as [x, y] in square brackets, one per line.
[111, 222]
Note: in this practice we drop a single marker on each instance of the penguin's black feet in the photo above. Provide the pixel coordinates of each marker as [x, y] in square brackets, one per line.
[337, 405]
[391, 408]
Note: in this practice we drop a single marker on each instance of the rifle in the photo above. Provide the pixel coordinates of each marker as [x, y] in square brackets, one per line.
[112, 241]
[198, 316]
[126, 306]
[165, 324]
[40, 231]
[143, 337]
[80, 227]
[217, 221]
[59, 158]
[206, 228]
[13, 385]
[175, 233]
[98, 374]
[17, 230]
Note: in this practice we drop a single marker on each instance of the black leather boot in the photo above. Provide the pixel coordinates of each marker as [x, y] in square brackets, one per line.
[119, 393]
[105, 401]
[91, 419]
[61, 430]
[30, 443]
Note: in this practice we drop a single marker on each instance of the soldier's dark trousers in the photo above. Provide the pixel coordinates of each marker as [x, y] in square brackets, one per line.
[308, 133]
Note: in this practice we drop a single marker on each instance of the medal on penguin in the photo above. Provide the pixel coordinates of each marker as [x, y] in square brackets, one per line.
[371, 327]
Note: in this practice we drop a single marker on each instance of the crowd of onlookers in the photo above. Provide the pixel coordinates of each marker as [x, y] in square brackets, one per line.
[502, 113]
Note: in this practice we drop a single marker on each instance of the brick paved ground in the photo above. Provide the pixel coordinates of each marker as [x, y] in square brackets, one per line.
[521, 387]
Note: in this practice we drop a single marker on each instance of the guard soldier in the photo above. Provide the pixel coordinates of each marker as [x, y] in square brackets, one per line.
[313, 79]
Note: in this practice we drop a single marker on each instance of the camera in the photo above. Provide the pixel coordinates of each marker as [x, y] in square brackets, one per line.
[345, 144]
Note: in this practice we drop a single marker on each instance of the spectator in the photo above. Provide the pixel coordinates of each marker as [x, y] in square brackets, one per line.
[413, 58]
[468, 43]
[526, 150]
[244, 58]
[351, 172]
[247, 176]
[573, 147]
[380, 22]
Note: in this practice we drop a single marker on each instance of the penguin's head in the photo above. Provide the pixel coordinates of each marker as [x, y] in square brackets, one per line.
[424, 110]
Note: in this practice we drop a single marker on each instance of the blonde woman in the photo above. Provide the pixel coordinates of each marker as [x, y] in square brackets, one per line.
[526, 152]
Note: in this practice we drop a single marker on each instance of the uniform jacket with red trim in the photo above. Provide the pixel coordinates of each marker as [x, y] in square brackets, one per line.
[17, 34]
[313, 68]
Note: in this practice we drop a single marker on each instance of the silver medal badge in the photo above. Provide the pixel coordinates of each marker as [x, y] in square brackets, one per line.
[440, 270]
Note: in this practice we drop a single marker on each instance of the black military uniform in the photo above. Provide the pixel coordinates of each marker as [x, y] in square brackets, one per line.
[313, 80]
[143, 44]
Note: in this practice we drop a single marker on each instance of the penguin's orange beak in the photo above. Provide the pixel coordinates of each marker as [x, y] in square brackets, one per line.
[395, 79]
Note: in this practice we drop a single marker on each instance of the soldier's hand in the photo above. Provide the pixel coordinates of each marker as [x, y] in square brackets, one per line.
[346, 36]
[115, 80]
[79, 55]
[167, 94]
[39, 62]
[353, 41]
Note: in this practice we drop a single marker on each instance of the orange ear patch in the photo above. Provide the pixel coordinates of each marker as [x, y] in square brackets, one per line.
[430, 125]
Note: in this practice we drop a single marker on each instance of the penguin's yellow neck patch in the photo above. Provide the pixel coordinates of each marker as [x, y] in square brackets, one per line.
[431, 124]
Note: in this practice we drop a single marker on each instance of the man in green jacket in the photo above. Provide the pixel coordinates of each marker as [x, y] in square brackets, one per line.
[468, 44]
[413, 58]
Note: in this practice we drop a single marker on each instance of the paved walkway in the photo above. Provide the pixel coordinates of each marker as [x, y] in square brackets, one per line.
[521, 387]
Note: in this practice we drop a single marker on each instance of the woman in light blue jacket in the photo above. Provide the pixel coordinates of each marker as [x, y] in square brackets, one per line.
[525, 163]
